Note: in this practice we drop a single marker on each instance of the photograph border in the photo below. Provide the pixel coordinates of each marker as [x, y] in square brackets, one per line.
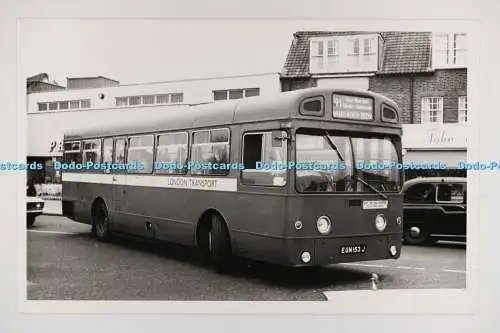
[400, 301]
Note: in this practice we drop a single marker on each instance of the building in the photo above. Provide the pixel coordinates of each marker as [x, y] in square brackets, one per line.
[100, 101]
[424, 72]
[40, 82]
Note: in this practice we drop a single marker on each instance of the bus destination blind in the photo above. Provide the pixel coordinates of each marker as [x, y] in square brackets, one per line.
[352, 107]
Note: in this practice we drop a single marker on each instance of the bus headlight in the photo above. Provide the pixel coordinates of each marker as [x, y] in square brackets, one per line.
[380, 222]
[305, 257]
[324, 225]
[38, 205]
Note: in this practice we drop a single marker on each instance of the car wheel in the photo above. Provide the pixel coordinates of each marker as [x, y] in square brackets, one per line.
[414, 235]
[101, 222]
[219, 245]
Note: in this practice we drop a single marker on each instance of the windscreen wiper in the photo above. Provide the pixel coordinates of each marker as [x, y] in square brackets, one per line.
[333, 146]
[371, 187]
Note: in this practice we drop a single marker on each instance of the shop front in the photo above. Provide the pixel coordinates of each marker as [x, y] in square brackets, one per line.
[431, 144]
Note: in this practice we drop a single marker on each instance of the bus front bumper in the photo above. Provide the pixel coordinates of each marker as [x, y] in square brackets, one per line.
[325, 251]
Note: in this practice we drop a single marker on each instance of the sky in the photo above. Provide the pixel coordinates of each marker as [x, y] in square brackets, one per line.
[135, 51]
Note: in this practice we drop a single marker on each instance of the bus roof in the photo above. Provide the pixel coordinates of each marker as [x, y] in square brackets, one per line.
[280, 106]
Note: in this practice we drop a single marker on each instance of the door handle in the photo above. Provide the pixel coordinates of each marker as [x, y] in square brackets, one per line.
[114, 178]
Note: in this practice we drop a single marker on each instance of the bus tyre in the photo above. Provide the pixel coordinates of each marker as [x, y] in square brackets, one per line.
[219, 245]
[100, 228]
[421, 237]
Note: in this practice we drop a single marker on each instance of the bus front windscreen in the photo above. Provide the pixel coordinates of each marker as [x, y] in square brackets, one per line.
[329, 162]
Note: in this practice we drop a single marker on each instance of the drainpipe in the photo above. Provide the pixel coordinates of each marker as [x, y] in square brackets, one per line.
[412, 117]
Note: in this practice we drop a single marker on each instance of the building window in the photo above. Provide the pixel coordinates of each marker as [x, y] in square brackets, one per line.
[432, 110]
[176, 98]
[85, 103]
[252, 92]
[63, 105]
[74, 104]
[450, 50]
[462, 109]
[354, 53]
[343, 54]
[42, 106]
[317, 55]
[121, 101]
[134, 100]
[162, 99]
[236, 94]
[148, 99]
[53, 106]
[332, 53]
[219, 95]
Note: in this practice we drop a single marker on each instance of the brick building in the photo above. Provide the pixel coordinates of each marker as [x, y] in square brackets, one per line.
[424, 72]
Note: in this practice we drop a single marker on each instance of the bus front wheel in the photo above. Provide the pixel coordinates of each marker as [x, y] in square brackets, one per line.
[219, 244]
[100, 228]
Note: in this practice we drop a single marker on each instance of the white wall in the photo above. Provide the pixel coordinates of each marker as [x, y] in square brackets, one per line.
[195, 91]
[43, 128]
[360, 83]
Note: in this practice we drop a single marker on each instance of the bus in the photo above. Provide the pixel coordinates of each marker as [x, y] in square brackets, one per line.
[292, 179]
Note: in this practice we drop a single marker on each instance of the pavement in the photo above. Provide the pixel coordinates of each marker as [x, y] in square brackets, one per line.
[66, 262]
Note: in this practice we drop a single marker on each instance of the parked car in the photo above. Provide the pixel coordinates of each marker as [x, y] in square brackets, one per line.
[34, 207]
[434, 208]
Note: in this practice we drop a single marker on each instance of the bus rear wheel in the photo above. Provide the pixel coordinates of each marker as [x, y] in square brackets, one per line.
[219, 245]
[100, 228]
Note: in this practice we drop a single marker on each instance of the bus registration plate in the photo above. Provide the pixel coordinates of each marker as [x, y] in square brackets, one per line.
[352, 249]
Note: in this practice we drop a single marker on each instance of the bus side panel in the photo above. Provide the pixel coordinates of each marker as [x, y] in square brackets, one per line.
[79, 195]
[257, 226]
[169, 211]
[73, 204]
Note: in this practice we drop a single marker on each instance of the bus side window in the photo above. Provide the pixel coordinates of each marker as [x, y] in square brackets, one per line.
[119, 154]
[107, 151]
[264, 164]
[140, 150]
[172, 153]
[72, 152]
[92, 152]
[210, 146]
